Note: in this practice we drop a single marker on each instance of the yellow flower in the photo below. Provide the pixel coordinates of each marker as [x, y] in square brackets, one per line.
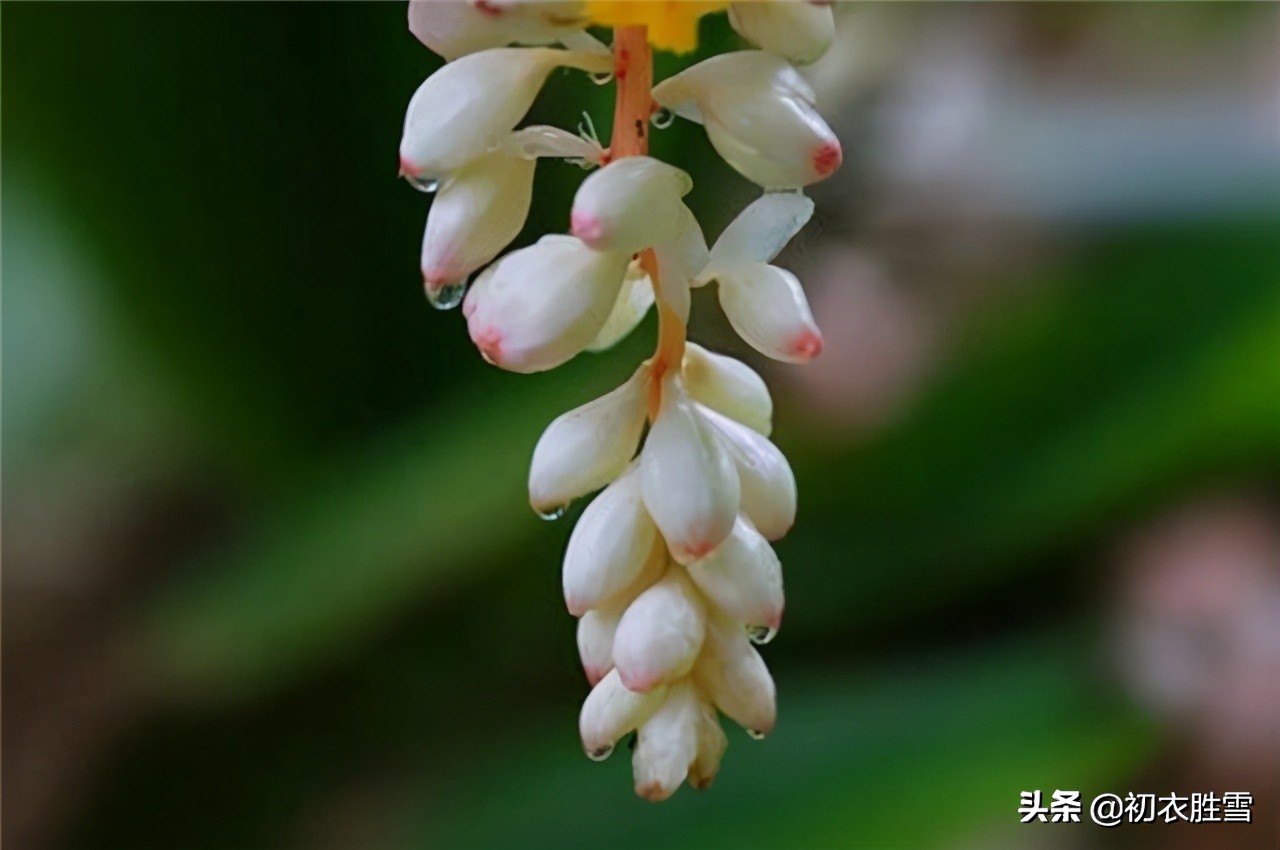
[673, 24]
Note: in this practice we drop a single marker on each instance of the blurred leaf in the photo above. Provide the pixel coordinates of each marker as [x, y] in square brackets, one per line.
[904, 757]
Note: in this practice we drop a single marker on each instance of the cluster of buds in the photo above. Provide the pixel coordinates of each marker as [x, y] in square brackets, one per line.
[670, 569]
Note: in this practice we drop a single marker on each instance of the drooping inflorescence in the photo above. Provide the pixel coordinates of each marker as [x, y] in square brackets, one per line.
[670, 569]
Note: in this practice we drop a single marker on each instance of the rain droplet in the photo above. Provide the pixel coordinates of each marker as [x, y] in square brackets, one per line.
[446, 297]
[755, 735]
[553, 514]
[600, 753]
[662, 119]
[602, 79]
[760, 635]
[423, 184]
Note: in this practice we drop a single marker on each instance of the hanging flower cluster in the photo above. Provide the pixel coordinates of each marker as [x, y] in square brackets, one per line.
[670, 569]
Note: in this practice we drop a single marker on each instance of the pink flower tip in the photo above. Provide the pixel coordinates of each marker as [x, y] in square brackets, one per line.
[639, 684]
[807, 344]
[588, 228]
[489, 341]
[827, 158]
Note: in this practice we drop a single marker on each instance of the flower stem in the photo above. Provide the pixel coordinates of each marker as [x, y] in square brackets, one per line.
[633, 71]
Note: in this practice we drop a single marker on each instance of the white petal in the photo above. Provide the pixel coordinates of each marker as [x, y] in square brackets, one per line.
[729, 386]
[541, 140]
[633, 303]
[589, 446]
[735, 677]
[610, 546]
[763, 228]
[798, 31]
[767, 484]
[470, 105]
[660, 634]
[667, 744]
[682, 255]
[743, 578]
[477, 212]
[612, 711]
[768, 309]
[537, 307]
[630, 204]
[687, 477]
[711, 744]
[452, 28]
[759, 115]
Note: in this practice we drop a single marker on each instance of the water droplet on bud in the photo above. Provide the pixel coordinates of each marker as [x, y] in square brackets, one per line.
[760, 635]
[600, 753]
[602, 79]
[423, 184]
[755, 735]
[662, 119]
[446, 297]
[553, 514]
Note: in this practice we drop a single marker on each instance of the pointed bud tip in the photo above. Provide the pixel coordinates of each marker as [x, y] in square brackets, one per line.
[807, 344]
[638, 683]
[586, 227]
[489, 341]
[827, 158]
[653, 791]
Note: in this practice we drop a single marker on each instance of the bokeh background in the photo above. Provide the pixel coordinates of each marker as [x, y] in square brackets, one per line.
[270, 580]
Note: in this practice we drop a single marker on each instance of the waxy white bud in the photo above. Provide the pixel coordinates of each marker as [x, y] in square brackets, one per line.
[761, 230]
[611, 711]
[728, 386]
[667, 744]
[768, 309]
[767, 484]
[537, 307]
[798, 30]
[586, 448]
[610, 546]
[711, 745]
[471, 105]
[743, 577]
[660, 634]
[630, 204]
[453, 28]
[735, 677]
[759, 115]
[688, 479]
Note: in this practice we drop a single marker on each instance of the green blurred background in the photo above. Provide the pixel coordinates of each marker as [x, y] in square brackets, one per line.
[270, 580]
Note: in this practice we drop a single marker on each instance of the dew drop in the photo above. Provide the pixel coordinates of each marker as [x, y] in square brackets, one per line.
[755, 735]
[553, 514]
[600, 753]
[423, 184]
[446, 297]
[602, 79]
[760, 635]
[662, 119]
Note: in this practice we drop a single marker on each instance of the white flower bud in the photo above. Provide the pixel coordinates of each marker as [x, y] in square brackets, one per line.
[660, 634]
[477, 212]
[798, 31]
[452, 28]
[768, 309]
[767, 484]
[537, 307]
[711, 745]
[759, 115]
[681, 258]
[611, 711]
[735, 677]
[589, 446]
[629, 205]
[610, 546]
[729, 386]
[742, 577]
[633, 303]
[688, 480]
[470, 105]
[667, 744]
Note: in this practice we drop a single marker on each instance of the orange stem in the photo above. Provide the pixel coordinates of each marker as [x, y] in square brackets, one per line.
[633, 70]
